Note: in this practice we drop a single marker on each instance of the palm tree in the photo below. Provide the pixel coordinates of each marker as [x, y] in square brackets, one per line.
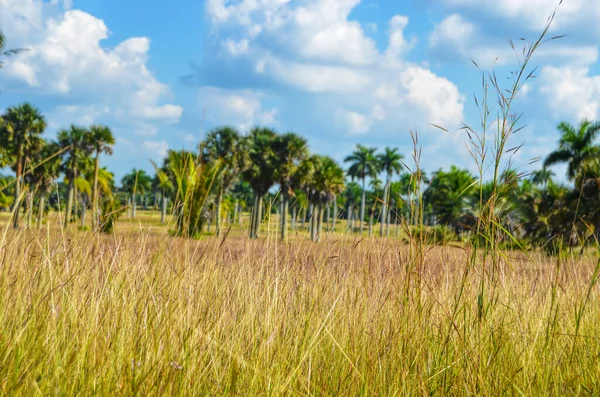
[576, 145]
[542, 177]
[290, 151]
[102, 140]
[165, 185]
[191, 180]
[260, 171]
[363, 164]
[326, 183]
[390, 162]
[352, 195]
[137, 181]
[44, 175]
[20, 136]
[222, 146]
[77, 150]
[450, 197]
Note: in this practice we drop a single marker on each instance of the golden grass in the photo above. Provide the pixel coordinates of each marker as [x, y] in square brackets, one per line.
[142, 313]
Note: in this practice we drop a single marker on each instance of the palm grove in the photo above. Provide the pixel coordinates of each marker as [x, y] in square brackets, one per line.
[232, 173]
[264, 173]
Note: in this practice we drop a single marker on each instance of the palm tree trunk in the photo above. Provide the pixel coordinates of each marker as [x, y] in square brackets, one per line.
[134, 205]
[371, 226]
[362, 205]
[294, 211]
[320, 222]
[70, 198]
[256, 216]
[311, 215]
[41, 210]
[335, 213]
[95, 193]
[235, 212]
[252, 216]
[259, 214]
[29, 207]
[163, 212]
[218, 210]
[385, 206]
[284, 212]
[389, 219]
[83, 212]
[313, 227]
[19, 173]
[350, 215]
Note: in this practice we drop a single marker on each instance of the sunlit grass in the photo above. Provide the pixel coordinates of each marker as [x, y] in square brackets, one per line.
[142, 313]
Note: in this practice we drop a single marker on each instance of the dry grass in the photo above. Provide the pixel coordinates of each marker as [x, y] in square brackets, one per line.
[142, 313]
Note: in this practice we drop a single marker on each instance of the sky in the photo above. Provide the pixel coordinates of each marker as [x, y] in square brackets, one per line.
[339, 72]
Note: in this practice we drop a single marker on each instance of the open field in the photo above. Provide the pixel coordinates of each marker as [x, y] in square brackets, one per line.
[142, 313]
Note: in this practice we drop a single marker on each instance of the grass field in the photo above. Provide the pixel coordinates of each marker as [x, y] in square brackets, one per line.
[142, 313]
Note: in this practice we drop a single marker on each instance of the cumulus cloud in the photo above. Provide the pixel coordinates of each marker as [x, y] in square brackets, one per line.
[458, 39]
[315, 50]
[239, 108]
[574, 15]
[157, 149]
[571, 92]
[66, 60]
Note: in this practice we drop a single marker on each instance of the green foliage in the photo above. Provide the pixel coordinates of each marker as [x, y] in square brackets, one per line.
[193, 180]
[575, 147]
[449, 197]
[136, 182]
[432, 235]
[110, 211]
[327, 180]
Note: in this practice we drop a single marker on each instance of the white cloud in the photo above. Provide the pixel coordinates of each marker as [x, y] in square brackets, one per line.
[454, 31]
[437, 97]
[21, 71]
[66, 60]
[236, 48]
[157, 149]
[571, 92]
[398, 45]
[457, 38]
[317, 78]
[358, 124]
[572, 14]
[239, 108]
[315, 49]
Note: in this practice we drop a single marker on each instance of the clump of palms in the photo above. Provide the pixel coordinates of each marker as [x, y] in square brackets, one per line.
[102, 140]
[192, 180]
[363, 165]
[223, 148]
[290, 150]
[77, 147]
[326, 182]
[134, 183]
[260, 172]
[43, 176]
[390, 162]
[21, 138]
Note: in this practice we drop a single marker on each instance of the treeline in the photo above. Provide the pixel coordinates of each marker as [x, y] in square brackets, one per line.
[264, 172]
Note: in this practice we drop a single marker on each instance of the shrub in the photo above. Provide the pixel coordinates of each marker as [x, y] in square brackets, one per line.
[111, 210]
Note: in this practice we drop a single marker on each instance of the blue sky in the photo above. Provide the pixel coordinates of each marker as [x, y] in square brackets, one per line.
[339, 72]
